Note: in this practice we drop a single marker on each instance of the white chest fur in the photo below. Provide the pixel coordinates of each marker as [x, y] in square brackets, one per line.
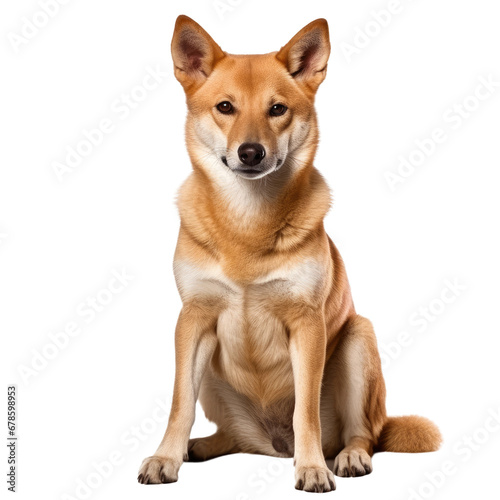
[303, 280]
[253, 351]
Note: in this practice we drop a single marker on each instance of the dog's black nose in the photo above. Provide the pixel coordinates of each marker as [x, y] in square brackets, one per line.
[251, 153]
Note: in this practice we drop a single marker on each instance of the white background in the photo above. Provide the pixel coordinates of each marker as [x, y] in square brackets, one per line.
[61, 241]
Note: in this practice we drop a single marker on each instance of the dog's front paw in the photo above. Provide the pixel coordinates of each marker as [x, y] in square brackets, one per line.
[156, 470]
[352, 463]
[317, 479]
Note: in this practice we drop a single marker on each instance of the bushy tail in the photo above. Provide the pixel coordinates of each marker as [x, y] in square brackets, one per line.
[410, 434]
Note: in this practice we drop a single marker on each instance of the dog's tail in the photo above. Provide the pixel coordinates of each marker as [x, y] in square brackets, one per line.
[410, 434]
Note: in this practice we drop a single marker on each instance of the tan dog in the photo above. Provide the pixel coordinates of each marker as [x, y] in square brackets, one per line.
[268, 337]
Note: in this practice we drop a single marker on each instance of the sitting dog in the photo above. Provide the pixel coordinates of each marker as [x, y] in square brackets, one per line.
[268, 338]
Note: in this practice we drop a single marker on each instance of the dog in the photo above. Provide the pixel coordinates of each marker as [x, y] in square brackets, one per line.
[268, 337]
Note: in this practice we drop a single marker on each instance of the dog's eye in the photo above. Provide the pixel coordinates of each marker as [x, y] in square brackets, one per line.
[278, 110]
[225, 107]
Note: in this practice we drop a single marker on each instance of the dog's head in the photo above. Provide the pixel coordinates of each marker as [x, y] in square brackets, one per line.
[251, 115]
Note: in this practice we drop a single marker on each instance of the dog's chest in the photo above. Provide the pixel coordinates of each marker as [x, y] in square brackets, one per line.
[252, 353]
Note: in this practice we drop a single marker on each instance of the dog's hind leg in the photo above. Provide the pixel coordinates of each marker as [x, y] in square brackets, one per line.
[216, 445]
[354, 390]
[355, 459]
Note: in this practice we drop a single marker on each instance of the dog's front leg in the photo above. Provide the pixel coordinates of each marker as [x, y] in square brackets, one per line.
[195, 341]
[307, 352]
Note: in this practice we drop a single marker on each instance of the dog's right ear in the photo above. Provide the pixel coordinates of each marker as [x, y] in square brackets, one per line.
[194, 52]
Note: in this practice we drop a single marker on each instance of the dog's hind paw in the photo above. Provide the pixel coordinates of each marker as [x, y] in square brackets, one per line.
[352, 463]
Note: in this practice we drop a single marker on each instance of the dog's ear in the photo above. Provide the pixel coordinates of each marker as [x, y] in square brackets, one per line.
[306, 54]
[194, 52]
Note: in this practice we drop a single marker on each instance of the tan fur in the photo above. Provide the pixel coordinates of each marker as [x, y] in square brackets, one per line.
[268, 337]
[411, 434]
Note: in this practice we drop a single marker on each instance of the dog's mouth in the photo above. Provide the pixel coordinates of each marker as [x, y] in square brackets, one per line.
[252, 173]
[248, 171]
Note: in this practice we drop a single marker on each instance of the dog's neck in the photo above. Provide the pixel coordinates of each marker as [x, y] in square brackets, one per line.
[272, 214]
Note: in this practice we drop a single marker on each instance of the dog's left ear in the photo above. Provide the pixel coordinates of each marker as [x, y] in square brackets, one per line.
[306, 54]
